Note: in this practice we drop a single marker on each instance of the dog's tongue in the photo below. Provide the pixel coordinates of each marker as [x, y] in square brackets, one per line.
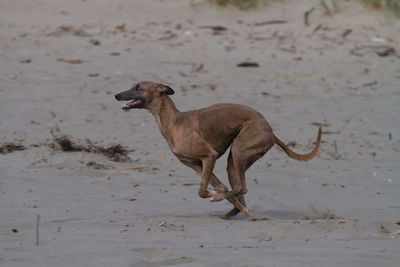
[131, 104]
[126, 106]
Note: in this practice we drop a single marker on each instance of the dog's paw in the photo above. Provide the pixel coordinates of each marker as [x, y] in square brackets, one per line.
[222, 189]
[216, 196]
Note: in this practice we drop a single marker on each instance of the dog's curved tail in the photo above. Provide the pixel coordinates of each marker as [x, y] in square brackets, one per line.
[302, 157]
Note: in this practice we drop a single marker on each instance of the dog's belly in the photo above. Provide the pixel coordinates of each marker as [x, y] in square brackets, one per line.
[220, 143]
[183, 158]
[195, 147]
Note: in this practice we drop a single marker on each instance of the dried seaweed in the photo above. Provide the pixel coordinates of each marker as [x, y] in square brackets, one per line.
[114, 152]
[6, 148]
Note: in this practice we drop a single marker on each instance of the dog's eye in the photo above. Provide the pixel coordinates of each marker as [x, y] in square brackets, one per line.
[138, 88]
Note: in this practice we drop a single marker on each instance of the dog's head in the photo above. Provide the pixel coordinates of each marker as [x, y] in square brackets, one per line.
[144, 95]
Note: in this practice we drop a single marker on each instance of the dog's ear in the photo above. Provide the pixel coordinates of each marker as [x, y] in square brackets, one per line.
[164, 89]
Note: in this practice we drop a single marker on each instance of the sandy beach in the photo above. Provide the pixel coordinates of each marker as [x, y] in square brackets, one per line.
[62, 62]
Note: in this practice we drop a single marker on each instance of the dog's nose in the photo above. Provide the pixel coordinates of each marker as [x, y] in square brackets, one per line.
[118, 97]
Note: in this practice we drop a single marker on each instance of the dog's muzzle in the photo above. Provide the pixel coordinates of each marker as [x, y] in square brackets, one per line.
[127, 96]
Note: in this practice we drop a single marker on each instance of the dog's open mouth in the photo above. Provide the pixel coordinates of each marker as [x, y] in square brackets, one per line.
[133, 104]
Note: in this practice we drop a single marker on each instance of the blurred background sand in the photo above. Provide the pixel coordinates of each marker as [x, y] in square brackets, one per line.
[61, 62]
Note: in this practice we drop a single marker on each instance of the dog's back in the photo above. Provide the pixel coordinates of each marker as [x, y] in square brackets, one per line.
[219, 124]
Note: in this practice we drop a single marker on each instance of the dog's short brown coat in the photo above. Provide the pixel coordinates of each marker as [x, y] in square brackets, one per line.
[199, 137]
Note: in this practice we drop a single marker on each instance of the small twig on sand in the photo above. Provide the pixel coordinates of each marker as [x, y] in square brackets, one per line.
[248, 64]
[306, 15]
[190, 184]
[37, 229]
[214, 28]
[338, 131]
[334, 143]
[317, 28]
[270, 22]
[132, 168]
[346, 32]
[380, 50]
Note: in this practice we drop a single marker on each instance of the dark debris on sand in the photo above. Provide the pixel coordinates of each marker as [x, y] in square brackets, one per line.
[6, 148]
[114, 152]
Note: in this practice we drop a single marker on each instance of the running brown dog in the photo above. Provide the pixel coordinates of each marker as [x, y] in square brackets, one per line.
[199, 137]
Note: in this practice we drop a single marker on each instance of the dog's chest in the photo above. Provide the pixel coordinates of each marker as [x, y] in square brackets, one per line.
[188, 146]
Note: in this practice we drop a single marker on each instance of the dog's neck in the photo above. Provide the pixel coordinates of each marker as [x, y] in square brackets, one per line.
[165, 114]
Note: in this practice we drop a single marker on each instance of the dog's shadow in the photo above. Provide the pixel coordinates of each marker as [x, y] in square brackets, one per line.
[278, 215]
[257, 215]
[270, 215]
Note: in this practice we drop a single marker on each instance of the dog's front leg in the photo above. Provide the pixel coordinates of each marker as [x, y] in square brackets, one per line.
[208, 166]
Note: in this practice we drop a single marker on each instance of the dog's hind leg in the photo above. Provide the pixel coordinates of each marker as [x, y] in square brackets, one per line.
[219, 186]
[232, 181]
[253, 141]
[249, 145]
